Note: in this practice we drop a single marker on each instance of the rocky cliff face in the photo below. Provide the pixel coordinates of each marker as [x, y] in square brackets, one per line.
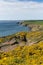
[22, 39]
[35, 35]
[35, 27]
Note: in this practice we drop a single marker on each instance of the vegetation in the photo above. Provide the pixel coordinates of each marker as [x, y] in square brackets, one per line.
[30, 52]
[34, 25]
[33, 22]
[26, 55]
[10, 37]
[23, 36]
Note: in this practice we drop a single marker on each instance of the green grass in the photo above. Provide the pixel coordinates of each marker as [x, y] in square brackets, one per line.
[33, 22]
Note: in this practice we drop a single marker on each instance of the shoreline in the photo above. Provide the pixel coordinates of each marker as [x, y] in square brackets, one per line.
[33, 26]
[33, 36]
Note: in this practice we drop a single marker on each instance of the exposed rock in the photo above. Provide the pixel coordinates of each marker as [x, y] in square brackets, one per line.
[33, 27]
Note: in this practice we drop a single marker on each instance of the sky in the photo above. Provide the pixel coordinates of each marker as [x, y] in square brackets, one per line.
[21, 9]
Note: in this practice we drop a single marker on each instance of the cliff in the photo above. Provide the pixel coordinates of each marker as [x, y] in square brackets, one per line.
[34, 26]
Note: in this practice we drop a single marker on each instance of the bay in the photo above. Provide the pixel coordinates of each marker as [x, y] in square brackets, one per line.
[9, 28]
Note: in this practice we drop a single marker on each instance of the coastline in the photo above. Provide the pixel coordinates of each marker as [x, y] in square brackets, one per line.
[22, 47]
[10, 28]
[35, 35]
[21, 39]
[33, 26]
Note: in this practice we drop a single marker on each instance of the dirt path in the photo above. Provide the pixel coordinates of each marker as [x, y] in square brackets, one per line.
[7, 48]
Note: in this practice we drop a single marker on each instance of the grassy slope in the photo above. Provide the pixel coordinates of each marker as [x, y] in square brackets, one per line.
[33, 22]
[35, 35]
[27, 55]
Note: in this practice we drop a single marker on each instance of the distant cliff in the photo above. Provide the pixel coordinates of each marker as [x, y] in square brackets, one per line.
[33, 26]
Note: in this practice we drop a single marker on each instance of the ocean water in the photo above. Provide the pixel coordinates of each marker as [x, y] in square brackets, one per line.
[8, 28]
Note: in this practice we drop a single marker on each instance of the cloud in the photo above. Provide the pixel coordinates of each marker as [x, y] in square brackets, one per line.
[21, 10]
[22, 4]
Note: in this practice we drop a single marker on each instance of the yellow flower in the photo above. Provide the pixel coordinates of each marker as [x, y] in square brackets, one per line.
[41, 64]
[35, 64]
[4, 58]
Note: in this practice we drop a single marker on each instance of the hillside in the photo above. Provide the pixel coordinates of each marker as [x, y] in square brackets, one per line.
[34, 25]
[23, 48]
[26, 55]
[20, 39]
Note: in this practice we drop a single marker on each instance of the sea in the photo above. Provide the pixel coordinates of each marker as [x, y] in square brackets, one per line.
[11, 27]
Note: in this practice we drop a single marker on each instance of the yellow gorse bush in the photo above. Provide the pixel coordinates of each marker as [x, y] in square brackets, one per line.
[26, 55]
